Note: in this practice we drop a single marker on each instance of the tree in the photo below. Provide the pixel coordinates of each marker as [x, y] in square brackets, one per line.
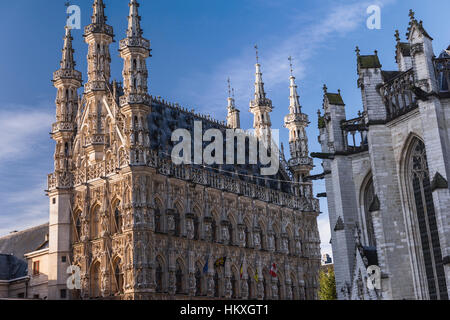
[327, 283]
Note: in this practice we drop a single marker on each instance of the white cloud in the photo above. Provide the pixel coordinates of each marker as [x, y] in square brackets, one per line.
[340, 19]
[20, 128]
[25, 209]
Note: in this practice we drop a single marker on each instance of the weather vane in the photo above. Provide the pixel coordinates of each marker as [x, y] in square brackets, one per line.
[290, 64]
[257, 53]
[229, 87]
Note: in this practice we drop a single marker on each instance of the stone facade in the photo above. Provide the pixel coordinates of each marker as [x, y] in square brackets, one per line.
[386, 175]
[141, 227]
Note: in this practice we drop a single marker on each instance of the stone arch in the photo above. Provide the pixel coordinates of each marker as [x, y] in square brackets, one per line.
[366, 199]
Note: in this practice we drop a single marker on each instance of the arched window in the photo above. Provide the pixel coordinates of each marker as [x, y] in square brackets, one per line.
[369, 196]
[421, 195]
[118, 218]
[159, 276]
[95, 278]
[118, 277]
[179, 278]
[95, 223]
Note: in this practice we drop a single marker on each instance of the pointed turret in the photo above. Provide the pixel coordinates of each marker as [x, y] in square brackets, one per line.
[67, 61]
[66, 80]
[233, 117]
[99, 13]
[134, 21]
[134, 50]
[98, 35]
[136, 103]
[297, 122]
[261, 106]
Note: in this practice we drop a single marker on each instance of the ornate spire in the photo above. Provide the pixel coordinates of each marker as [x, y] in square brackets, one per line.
[260, 94]
[231, 102]
[134, 21]
[135, 50]
[67, 62]
[294, 104]
[233, 118]
[99, 13]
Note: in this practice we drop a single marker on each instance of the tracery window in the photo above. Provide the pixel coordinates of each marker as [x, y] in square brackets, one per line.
[158, 226]
[234, 293]
[216, 284]
[420, 186]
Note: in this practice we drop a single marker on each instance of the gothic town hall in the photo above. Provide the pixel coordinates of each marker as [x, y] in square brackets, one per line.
[140, 227]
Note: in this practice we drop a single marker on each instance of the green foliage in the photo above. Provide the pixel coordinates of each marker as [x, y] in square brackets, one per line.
[327, 283]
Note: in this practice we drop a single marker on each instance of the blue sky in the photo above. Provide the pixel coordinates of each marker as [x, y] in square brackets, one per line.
[196, 45]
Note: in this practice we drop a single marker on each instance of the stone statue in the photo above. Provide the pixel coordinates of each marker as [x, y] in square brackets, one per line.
[171, 223]
[190, 229]
[257, 239]
[260, 290]
[225, 234]
[244, 289]
[229, 289]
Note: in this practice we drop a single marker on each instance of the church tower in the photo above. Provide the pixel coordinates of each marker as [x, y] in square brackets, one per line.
[98, 35]
[297, 122]
[135, 103]
[261, 107]
[233, 117]
[66, 80]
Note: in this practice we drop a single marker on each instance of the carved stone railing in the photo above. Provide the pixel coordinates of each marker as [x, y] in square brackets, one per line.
[67, 74]
[398, 95]
[351, 129]
[134, 42]
[63, 126]
[99, 28]
[196, 175]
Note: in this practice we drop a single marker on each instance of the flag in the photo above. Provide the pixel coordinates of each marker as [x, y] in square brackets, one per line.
[220, 262]
[243, 267]
[206, 267]
[256, 276]
[273, 271]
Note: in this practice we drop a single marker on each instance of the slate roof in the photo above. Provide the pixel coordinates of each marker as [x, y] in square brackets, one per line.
[12, 268]
[369, 62]
[164, 119]
[440, 66]
[335, 98]
[20, 243]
